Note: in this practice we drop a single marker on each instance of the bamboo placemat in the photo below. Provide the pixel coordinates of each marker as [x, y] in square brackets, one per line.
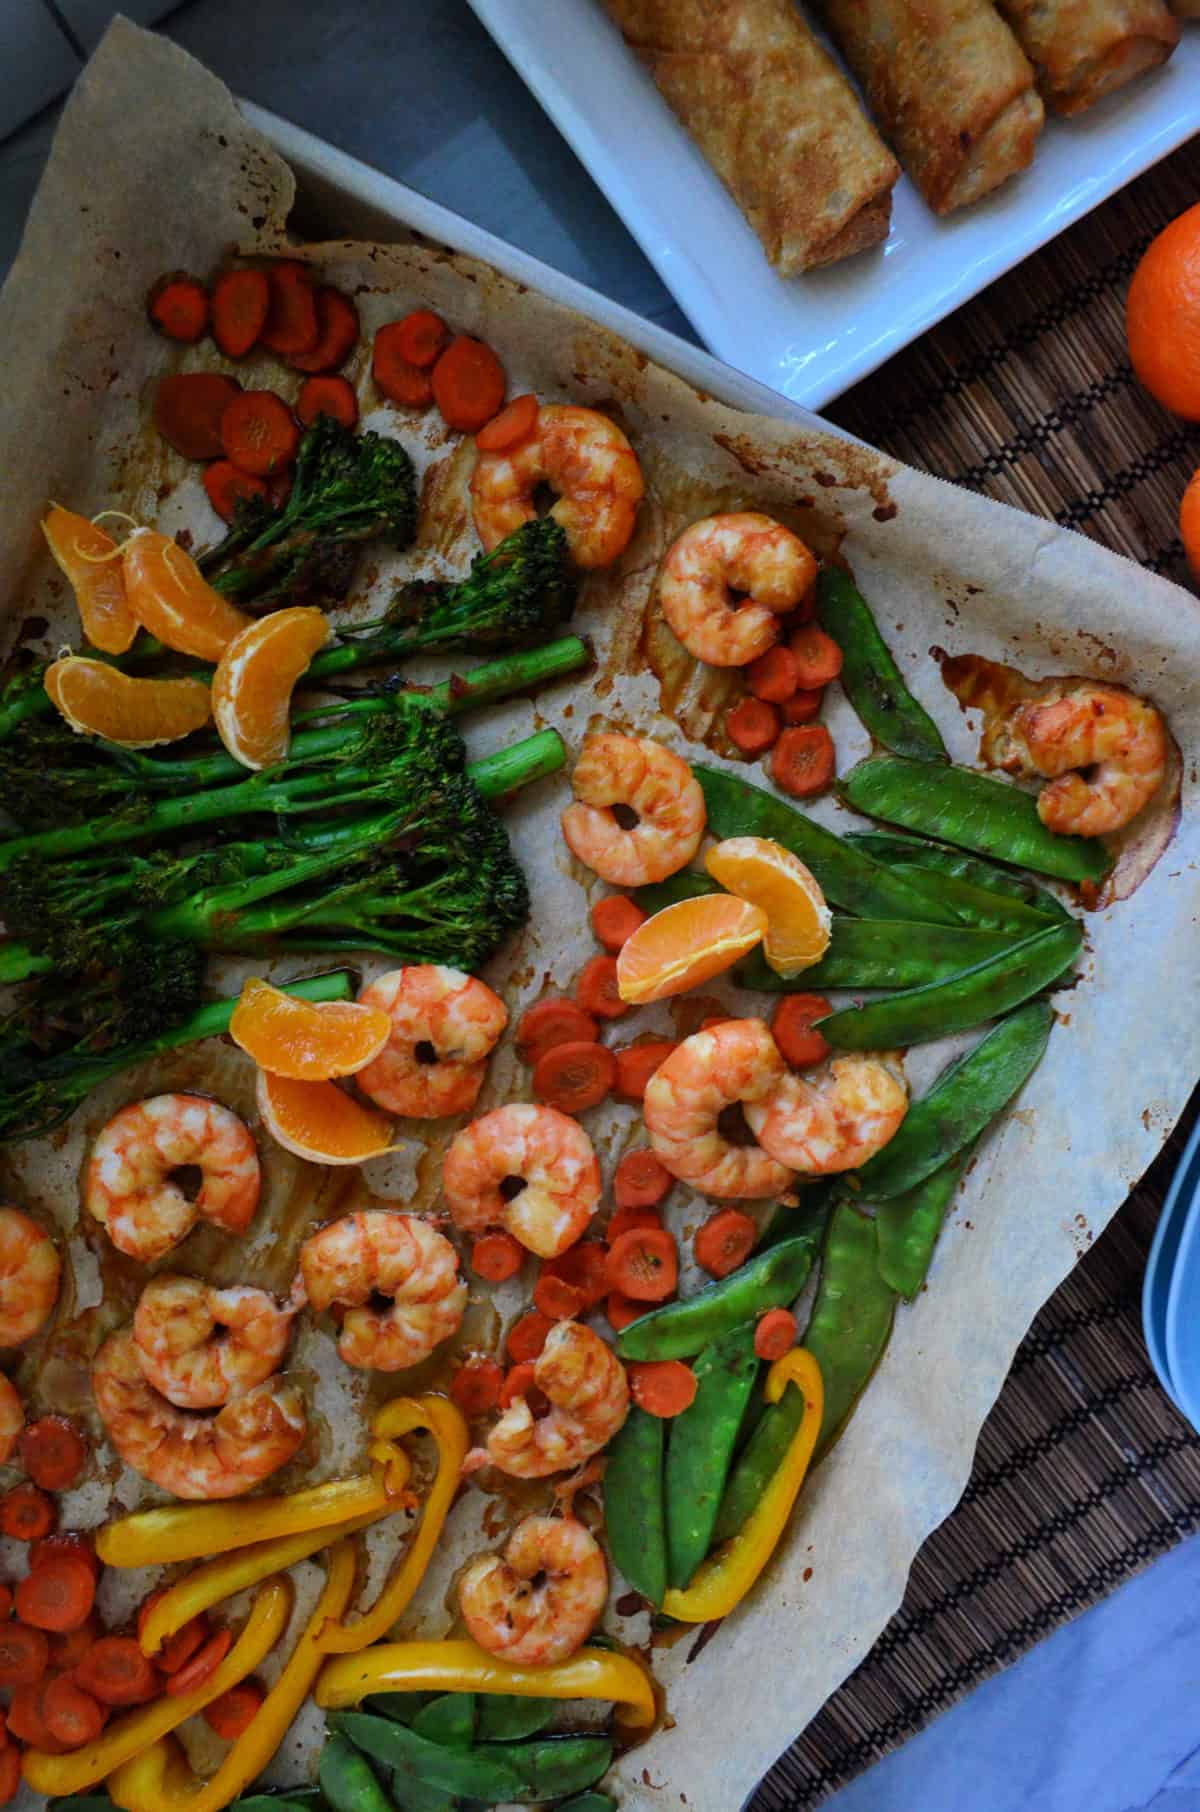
[1084, 1471]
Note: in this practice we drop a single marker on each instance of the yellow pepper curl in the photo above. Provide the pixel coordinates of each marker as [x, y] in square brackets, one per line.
[189, 1531]
[462, 1666]
[162, 1780]
[406, 1415]
[129, 1735]
[726, 1576]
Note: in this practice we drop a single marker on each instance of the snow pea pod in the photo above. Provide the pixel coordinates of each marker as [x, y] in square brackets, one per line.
[449, 1719]
[483, 1773]
[506, 1718]
[347, 1779]
[972, 810]
[917, 1015]
[846, 876]
[851, 1317]
[633, 1503]
[965, 1097]
[688, 884]
[402, 1706]
[907, 1226]
[880, 953]
[870, 676]
[551, 1766]
[680, 1329]
[412, 1795]
[701, 1446]
[589, 1802]
[889, 846]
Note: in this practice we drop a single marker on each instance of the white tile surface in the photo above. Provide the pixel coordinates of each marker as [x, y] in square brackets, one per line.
[36, 62]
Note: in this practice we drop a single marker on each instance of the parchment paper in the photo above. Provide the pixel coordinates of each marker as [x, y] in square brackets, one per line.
[153, 169]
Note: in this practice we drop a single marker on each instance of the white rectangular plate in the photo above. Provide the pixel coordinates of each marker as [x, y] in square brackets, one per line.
[811, 337]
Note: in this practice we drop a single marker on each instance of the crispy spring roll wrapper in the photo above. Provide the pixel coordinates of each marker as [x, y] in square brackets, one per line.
[775, 118]
[1083, 49]
[950, 86]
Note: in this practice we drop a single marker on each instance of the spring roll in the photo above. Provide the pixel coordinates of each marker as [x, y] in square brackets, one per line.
[1083, 49]
[775, 118]
[950, 86]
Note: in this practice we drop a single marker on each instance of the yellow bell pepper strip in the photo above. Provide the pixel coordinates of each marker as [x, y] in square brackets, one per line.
[726, 1576]
[447, 1425]
[459, 1665]
[161, 1779]
[194, 1531]
[236, 1572]
[127, 1736]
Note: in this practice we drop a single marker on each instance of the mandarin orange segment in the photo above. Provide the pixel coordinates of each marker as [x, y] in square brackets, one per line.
[1162, 316]
[252, 687]
[1189, 523]
[320, 1122]
[91, 563]
[100, 700]
[169, 596]
[303, 1040]
[686, 944]
[763, 872]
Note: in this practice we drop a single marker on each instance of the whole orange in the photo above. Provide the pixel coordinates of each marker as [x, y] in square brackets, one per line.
[1189, 523]
[1162, 316]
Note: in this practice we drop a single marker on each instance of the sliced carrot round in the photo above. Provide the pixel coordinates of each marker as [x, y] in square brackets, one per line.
[91, 563]
[775, 675]
[514, 424]
[328, 396]
[725, 1241]
[100, 700]
[178, 307]
[520, 1381]
[320, 1122]
[10, 1772]
[555, 1297]
[65, 1541]
[421, 337]
[259, 433]
[527, 1336]
[468, 384]
[550, 1022]
[818, 657]
[240, 301]
[775, 1334]
[116, 1672]
[291, 325]
[476, 1386]
[642, 1180]
[255, 678]
[792, 1027]
[686, 944]
[169, 596]
[753, 726]
[71, 1714]
[574, 1077]
[26, 1514]
[803, 705]
[662, 1387]
[803, 761]
[644, 1264]
[202, 1665]
[188, 406]
[232, 1714]
[497, 1257]
[632, 1220]
[396, 376]
[337, 332]
[636, 1063]
[621, 1310]
[24, 1653]
[597, 988]
[27, 1716]
[615, 919]
[584, 1266]
[179, 1647]
[53, 1453]
[68, 1647]
[58, 1594]
[227, 486]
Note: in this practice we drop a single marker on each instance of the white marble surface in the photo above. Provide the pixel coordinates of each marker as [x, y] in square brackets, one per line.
[1105, 1715]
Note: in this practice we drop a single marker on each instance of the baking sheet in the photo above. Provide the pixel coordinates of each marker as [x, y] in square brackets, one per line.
[941, 567]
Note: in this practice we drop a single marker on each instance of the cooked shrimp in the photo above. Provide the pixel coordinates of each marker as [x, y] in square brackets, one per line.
[710, 1071]
[830, 1119]
[12, 1418]
[540, 1601]
[638, 773]
[378, 1253]
[29, 1272]
[586, 459]
[717, 563]
[530, 1169]
[589, 1400]
[131, 1187]
[188, 1453]
[444, 1026]
[200, 1346]
[1120, 738]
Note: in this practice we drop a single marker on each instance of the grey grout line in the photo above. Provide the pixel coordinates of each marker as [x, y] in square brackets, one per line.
[66, 28]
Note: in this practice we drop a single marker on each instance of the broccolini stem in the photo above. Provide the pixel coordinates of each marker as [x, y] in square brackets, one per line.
[507, 769]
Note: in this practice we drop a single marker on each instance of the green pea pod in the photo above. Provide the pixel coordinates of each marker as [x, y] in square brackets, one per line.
[449, 1719]
[975, 906]
[505, 1717]
[346, 1778]
[252, 1802]
[589, 1802]
[846, 876]
[680, 1329]
[870, 676]
[917, 1015]
[758, 1462]
[688, 884]
[973, 811]
[700, 1448]
[480, 1773]
[851, 1317]
[907, 1226]
[411, 1795]
[551, 1766]
[308, 1799]
[965, 1097]
[633, 1504]
[880, 953]
[887, 846]
[401, 1706]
